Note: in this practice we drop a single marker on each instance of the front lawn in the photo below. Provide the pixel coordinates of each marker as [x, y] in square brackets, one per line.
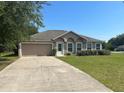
[107, 69]
[6, 58]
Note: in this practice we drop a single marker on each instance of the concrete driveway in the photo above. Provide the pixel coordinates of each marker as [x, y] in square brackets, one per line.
[46, 74]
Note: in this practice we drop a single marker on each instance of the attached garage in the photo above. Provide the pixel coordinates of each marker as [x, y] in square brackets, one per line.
[36, 49]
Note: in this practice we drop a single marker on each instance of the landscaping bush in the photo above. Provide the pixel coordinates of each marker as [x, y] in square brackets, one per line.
[88, 52]
[53, 52]
[100, 52]
[104, 52]
[107, 52]
[79, 53]
[93, 52]
[68, 54]
[2, 48]
[15, 51]
[83, 53]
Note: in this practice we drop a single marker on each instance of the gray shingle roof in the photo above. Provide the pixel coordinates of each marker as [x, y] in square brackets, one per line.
[50, 34]
[47, 35]
[89, 39]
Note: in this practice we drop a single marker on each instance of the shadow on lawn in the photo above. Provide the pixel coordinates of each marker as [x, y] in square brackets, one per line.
[10, 55]
[4, 59]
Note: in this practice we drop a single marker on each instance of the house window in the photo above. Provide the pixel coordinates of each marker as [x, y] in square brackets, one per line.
[70, 47]
[98, 46]
[78, 46]
[89, 46]
[59, 47]
[84, 45]
[93, 45]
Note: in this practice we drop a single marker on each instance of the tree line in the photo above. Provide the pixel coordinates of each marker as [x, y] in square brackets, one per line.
[114, 42]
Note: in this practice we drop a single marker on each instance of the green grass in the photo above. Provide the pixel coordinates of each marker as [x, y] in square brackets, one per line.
[6, 58]
[107, 69]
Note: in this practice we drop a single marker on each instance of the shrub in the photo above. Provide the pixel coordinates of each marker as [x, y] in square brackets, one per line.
[104, 52]
[84, 53]
[93, 52]
[79, 53]
[68, 54]
[15, 51]
[88, 52]
[100, 52]
[53, 52]
[2, 48]
[107, 52]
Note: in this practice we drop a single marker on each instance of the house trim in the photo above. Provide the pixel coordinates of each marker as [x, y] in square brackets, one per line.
[100, 46]
[20, 50]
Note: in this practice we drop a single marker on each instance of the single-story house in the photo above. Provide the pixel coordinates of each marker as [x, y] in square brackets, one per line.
[119, 48]
[64, 42]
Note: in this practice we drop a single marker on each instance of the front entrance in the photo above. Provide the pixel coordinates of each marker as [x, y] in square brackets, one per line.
[60, 49]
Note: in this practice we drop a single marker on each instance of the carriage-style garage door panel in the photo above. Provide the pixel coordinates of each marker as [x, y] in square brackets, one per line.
[36, 49]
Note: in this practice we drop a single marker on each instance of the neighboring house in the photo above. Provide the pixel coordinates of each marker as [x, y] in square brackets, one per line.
[119, 48]
[64, 42]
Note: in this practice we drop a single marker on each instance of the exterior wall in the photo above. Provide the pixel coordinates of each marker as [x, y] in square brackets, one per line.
[71, 37]
[75, 47]
[65, 47]
[93, 45]
[54, 46]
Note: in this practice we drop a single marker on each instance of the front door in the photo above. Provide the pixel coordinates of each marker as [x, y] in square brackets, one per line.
[60, 49]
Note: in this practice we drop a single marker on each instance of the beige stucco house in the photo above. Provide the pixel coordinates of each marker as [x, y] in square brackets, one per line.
[42, 43]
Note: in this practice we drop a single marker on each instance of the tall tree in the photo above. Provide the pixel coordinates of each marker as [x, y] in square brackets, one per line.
[17, 21]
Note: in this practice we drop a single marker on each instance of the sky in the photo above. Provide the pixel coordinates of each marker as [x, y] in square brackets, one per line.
[98, 19]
